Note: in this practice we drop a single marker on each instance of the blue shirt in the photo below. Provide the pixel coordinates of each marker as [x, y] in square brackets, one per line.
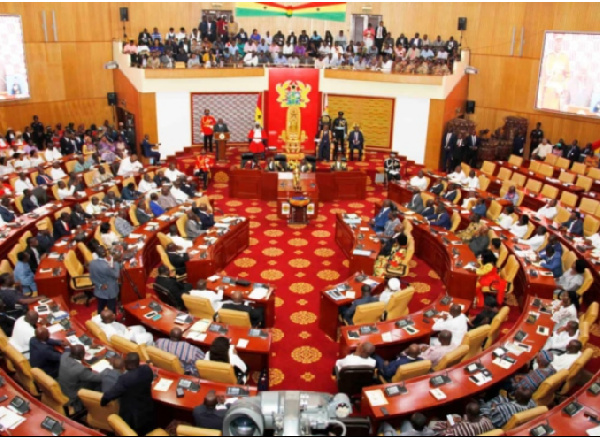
[480, 210]
[23, 274]
[156, 209]
[554, 264]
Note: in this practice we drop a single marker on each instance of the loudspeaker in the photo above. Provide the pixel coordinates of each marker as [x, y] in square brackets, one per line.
[124, 12]
[470, 106]
[111, 98]
[462, 23]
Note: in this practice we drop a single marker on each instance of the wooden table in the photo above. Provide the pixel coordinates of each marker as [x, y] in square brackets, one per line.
[419, 399]
[287, 191]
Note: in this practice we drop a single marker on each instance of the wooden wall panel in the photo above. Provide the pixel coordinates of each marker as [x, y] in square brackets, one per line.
[148, 112]
[375, 117]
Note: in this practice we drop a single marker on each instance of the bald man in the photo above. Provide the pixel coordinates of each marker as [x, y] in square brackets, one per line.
[187, 354]
[237, 304]
[362, 357]
[23, 332]
[388, 369]
[73, 376]
[42, 352]
[106, 320]
[207, 416]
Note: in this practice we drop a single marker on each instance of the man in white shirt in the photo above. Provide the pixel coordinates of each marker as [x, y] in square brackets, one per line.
[65, 192]
[392, 288]
[543, 150]
[420, 181]
[565, 361]
[360, 358]
[549, 211]
[23, 331]
[506, 219]
[130, 165]
[201, 291]
[519, 229]
[457, 323]
[563, 337]
[137, 334]
[57, 172]
[179, 195]
[146, 185]
[94, 207]
[52, 153]
[178, 240]
[172, 173]
[472, 182]
[594, 240]
[458, 177]
[251, 60]
[427, 53]
[536, 241]
[22, 184]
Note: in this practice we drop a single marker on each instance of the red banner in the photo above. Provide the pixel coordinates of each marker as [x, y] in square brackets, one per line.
[292, 89]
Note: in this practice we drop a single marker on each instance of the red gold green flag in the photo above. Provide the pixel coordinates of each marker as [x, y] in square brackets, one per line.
[330, 11]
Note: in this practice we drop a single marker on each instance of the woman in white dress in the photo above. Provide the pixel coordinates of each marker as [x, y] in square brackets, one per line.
[565, 309]
[222, 351]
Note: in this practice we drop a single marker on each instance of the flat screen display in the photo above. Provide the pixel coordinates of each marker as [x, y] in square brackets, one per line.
[14, 81]
[569, 80]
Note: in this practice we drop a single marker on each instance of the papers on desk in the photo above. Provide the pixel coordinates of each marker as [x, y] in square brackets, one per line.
[55, 328]
[363, 229]
[202, 247]
[350, 295]
[164, 218]
[194, 252]
[73, 340]
[593, 431]
[480, 379]
[242, 343]
[136, 236]
[517, 349]
[9, 419]
[546, 274]
[43, 310]
[101, 366]
[376, 398]
[196, 336]
[359, 252]
[163, 385]
[371, 283]
[54, 256]
[503, 364]
[438, 394]
[387, 337]
[201, 326]
[213, 278]
[45, 271]
[259, 294]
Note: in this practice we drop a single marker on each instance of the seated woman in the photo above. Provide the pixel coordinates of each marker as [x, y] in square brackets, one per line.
[565, 309]
[392, 257]
[222, 351]
[489, 280]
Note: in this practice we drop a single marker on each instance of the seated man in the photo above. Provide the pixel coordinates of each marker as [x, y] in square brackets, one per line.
[143, 213]
[419, 181]
[74, 376]
[474, 227]
[339, 164]
[106, 320]
[442, 218]
[480, 208]
[535, 377]
[506, 220]
[130, 193]
[566, 360]
[390, 226]
[237, 304]
[65, 192]
[175, 288]
[150, 151]
[202, 291]
[101, 176]
[451, 193]
[387, 369]
[472, 182]
[457, 323]
[193, 226]
[166, 200]
[416, 203]
[146, 185]
[417, 426]
[24, 275]
[436, 353]
[207, 218]
[574, 225]
[187, 354]
[12, 295]
[362, 357]
[393, 286]
[439, 187]
[42, 352]
[348, 313]
[207, 416]
[122, 224]
[473, 423]
[111, 200]
[513, 196]
[501, 409]
[380, 220]
[430, 210]
[458, 176]
[94, 207]
[549, 211]
[572, 280]
[561, 339]
[78, 216]
[181, 243]
[23, 332]
[177, 259]
[62, 227]
[130, 165]
[179, 193]
[552, 261]
[7, 320]
[537, 240]
[485, 317]
[155, 207]
[519, 229]
[480, 242]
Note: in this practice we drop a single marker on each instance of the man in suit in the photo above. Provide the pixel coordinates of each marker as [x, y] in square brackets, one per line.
[43, 178]
[339, 164]
[348, 313]
[417, 41]
[62, 227]
[381, 219]
[573, 153]
[430, 210]
[480, 241]
[105, 274]
[142, 212]
[149, 152]
[29, 202]
[388, 369]
[439, 188]
[416, 203]
[74, 376]
[449, 148]
[79, 216]
[42, 352]
[574, 225]
[7, 214]
[460, 151]
[357, 142]
[34, 252]
[67, 144]
[144, 38]
[380, 34]
[45, 238]
[207, 416]
[442, 218]
[452, 193]
[472, 144]
[193, 226]
[392, 168]
[237, 304]
[134, 391]
[536, 137]
[206, 218]
[175, 288]
[340, 131]
[177, 260]
[519, 143]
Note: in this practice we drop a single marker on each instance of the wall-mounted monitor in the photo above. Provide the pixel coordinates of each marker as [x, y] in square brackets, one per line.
[14, 80]
[569, 78]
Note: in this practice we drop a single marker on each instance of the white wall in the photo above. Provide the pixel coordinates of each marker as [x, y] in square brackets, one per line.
[411, 119]
[174, 120]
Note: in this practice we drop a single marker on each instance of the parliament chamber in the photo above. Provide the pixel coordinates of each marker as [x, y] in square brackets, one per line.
[322, 218]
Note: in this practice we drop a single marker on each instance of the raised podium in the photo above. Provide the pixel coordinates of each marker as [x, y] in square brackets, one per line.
[221, 139]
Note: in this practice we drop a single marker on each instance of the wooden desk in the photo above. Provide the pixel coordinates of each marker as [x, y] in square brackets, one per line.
[329, 307]
[350, 185]
[255, 355]
[401, 337]
[419, 399]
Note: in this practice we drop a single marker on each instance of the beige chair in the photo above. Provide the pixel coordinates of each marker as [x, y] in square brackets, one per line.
[515, 160]
[397, 306]
[594, 173]
[502, 256]
[591, 226]
[488, 168]
[12, 255]
[466, 168]
[509, 273]
[550, 192]
[97, 416]
[164, 239]
[452, 359]
[199, 307]
[19, 204]
[409, 371]
[534, 166]
[568, 258]
[566, 178]
[526, 416]
[505, 174]
[534, 186]
[588, 280]
[575, 371]
[85, 252]
[165, 360]
[22, 369]
[589, 206]
[494, 433]
[484, 183]
[579, 168]
[164, 257]
[530, 231]
[88, 178]
[78, 280]
[190, 431]
[216, 372]
[569, 199]
[562, 215]
[181, 222]
[591, 315]
[544, 396]
[132, 216]
[96, 331]
[5, 267]
[121, 428]
[551, 159]
[234, 318]
[585, 182]
[456, 221]
[52, 395]
[497, 322]
[124, 346]
[584, 334]
[474, 340]
[546, 170]
[494, 211]
[518, 180]
[369, 313]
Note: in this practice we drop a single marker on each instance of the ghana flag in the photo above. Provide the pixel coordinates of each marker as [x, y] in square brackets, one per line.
[330, 11]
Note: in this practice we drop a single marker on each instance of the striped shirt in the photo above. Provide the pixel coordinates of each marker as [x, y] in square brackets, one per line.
[501, 409]
[466, 428]
[534, 379]
[187, 354]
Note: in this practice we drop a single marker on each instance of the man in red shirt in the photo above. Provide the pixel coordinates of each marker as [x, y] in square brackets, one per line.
[208, 129]
[204, 163]
[257, 139]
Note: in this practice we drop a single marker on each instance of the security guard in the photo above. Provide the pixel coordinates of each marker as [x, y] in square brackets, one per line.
[392, 168]
[340, 131]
